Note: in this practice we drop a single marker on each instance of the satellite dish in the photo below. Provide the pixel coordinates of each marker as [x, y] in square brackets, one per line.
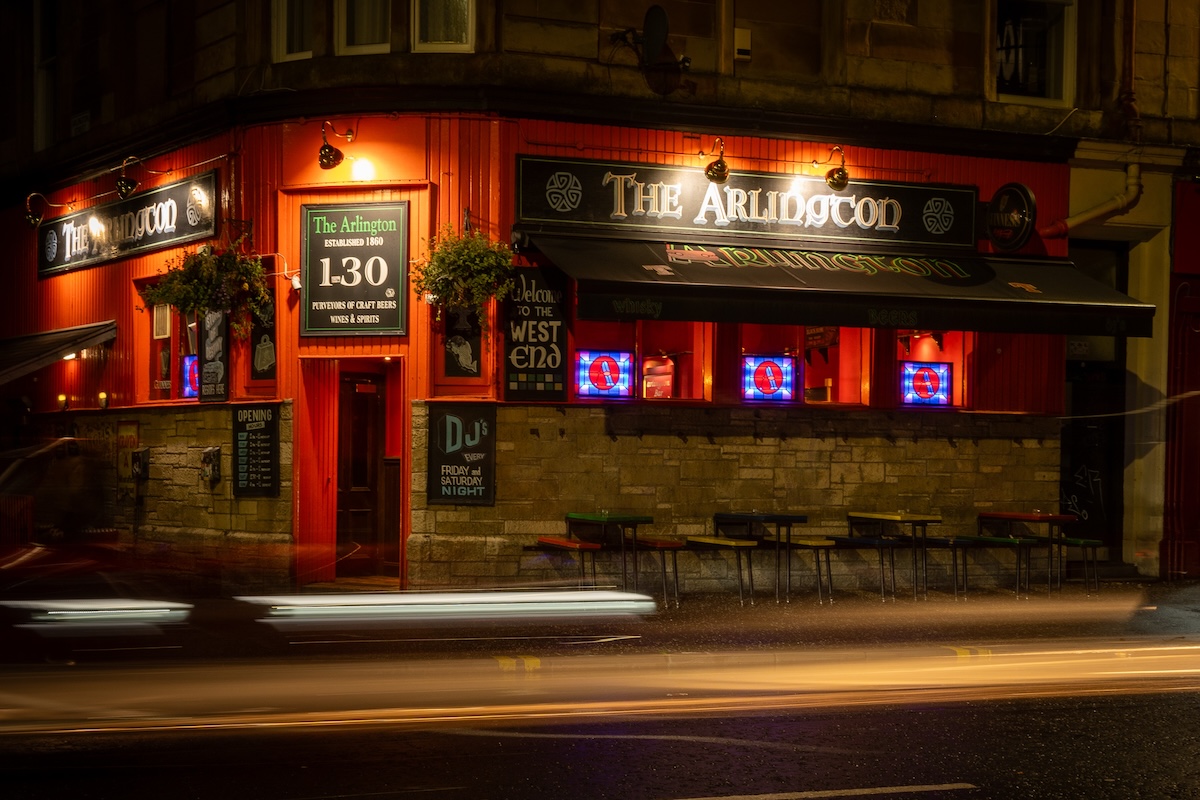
[654, 35]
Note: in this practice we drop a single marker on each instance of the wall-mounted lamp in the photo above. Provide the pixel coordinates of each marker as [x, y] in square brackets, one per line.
[102, 399]
[296, 285]
[125, 184]
[837, 178]
[329, 156]
[34, 218]
[718, 171]
[63, 405]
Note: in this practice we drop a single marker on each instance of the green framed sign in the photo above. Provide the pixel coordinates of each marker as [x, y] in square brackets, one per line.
[355, 271]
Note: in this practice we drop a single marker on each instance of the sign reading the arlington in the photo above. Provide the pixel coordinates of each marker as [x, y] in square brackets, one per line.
[162, 217]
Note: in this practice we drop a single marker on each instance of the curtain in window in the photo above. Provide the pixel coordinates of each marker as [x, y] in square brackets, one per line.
[443, 21]
[367, 22]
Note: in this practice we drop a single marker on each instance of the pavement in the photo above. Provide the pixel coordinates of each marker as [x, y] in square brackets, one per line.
[1118, 609]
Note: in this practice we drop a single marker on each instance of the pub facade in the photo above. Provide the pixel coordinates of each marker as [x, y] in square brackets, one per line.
[699, 324]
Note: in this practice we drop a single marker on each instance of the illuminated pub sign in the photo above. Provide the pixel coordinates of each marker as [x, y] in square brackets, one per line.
[164, 217]
[925, 383]
[593, 197]
[771, 378]
[355, 269]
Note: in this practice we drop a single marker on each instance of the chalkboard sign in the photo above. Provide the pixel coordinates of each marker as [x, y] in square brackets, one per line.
[462, 454]
[535, 345]
[214, 357]
[256, 450]
[355, 269]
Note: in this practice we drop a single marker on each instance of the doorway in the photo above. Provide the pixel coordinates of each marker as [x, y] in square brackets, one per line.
[361, 549]
[1093, 435]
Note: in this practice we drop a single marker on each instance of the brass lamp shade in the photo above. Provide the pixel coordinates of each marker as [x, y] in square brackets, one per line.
[718, 171]
[328, 156]
[126, 186]
[837, 178]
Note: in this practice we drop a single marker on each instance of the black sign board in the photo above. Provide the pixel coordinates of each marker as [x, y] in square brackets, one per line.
[674, 202]
[463, 337]
[355, 269]
[256, 450]
[262, 344]
[162, 217]
[462, 454]
[214, 357]
[535, 347]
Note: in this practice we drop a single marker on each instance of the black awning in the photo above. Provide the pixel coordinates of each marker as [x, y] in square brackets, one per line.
[654, 280]
[21, 355]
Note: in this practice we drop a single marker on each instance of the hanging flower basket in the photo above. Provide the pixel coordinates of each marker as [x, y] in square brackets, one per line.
[215, 280]
[464, 270]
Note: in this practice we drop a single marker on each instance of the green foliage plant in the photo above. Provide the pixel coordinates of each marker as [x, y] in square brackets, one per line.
[464, 270]
[211, 279]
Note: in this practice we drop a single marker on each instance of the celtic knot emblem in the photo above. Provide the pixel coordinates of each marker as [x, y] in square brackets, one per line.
[563, 191]
[51, 246]
[938, 215]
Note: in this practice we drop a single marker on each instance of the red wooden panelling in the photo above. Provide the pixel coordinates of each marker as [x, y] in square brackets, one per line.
[314, 503]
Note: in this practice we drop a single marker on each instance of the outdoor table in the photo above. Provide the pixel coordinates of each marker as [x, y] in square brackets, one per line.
[782, 522]
[917, 523]
[1054, 539]
[626, 524]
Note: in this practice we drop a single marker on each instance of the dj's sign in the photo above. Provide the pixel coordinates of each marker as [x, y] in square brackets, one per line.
[163, 217]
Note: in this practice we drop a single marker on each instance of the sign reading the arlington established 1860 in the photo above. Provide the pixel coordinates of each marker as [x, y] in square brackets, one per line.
[609, 197]
[355, 269]
[166, 216]
[462, 454]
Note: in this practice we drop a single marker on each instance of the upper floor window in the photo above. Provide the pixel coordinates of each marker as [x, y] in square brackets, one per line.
[292, 29]
[363, 26]
[1035, 50]
[443, 26]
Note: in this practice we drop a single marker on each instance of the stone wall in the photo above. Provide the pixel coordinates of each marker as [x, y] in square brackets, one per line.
[681, 465]
[177, 521]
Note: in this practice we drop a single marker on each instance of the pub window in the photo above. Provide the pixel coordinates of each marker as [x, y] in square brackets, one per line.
[363, 26]
[292, 29]
[1035, 50]
[836, 361]
[605, 364]
[932, 368]
[672, 359]
[443, 26]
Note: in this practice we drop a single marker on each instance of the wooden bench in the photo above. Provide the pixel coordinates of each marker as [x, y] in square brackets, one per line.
[738, 547]
[662, 546]
[819, 546]
[580, 548]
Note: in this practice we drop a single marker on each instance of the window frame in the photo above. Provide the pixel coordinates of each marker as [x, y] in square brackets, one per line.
[341, 31]
[279, 34]
[1067, 64]
[419, 46]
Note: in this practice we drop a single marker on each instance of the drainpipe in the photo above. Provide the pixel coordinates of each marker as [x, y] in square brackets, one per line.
[1114, 205]
[1133, 131]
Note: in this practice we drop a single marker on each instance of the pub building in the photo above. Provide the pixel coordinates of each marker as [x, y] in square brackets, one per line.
[702, 322]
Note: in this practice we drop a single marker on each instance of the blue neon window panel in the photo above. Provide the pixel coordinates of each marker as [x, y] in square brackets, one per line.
[189, 376]
[603, 373]
[925, 383]
[769, 378]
